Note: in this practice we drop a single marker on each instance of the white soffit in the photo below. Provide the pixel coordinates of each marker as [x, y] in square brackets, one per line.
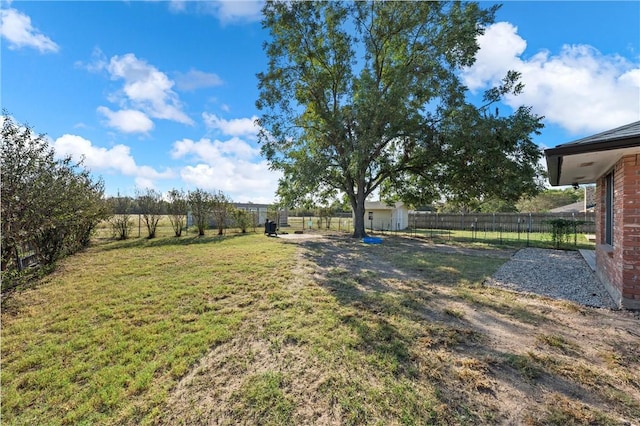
[588, 167]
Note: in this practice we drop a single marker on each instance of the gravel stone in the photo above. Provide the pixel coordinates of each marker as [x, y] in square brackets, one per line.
[553, 273]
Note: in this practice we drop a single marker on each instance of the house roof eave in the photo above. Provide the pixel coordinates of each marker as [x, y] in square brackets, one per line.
[615, 142]
[579, 148]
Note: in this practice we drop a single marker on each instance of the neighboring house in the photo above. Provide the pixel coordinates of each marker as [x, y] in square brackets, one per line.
[260, 212]
[611, 159]
[382, 217]
[257, 211]
[588, 203]
[569, 208]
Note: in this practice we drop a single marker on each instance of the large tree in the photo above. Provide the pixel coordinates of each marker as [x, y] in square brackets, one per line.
[356, 95]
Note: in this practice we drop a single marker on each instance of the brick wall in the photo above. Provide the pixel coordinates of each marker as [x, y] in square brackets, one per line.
[619, 264]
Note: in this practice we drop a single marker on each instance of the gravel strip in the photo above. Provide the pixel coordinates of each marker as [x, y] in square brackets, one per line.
[553, 273]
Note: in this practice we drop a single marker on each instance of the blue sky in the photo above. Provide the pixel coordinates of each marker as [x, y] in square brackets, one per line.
[162, 94]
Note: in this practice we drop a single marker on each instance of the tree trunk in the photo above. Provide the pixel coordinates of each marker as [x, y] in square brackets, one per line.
[358, 209]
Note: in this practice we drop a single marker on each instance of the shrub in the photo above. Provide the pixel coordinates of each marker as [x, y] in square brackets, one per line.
[562, 229]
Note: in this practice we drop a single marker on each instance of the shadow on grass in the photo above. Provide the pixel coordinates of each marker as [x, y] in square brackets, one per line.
[188, 240]
[405, 331]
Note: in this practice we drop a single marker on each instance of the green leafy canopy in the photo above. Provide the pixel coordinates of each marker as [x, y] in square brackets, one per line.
[366, 96]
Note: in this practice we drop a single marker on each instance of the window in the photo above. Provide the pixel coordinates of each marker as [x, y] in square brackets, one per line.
[608, 209]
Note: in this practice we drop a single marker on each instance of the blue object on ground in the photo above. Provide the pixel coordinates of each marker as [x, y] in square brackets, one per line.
[372, 240]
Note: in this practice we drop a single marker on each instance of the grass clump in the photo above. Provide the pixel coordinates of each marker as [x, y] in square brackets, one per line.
[525, 365]
[456, 313]
[558, 342]
[262, 399]
[560, 410]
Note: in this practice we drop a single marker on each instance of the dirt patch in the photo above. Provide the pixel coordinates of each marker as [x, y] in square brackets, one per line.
[494, 356]
[301, 237]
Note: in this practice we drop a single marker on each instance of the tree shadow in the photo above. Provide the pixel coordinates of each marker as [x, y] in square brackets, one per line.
[166, 241]
[382, 299]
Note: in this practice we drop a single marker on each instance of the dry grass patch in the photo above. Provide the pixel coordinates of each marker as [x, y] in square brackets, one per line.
[559, 410]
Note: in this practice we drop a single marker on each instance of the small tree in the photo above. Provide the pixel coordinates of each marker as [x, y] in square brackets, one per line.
[200, 202]
[221, 205]
[150, 203]
[121, 222]
[273, 213]
[325, 213]
[562, 229]
[242, 218]
[255, 218]
[177, 210]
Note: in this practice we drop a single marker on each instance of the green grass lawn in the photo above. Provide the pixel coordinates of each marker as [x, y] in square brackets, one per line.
[503, 239]
[104, 339]
[254, 330]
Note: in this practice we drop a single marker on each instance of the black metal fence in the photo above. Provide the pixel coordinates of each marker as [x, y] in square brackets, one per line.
[496, 222]
[530, 229]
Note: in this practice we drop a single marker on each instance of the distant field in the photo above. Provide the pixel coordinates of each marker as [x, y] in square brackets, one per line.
[246, 329]
[164, 229]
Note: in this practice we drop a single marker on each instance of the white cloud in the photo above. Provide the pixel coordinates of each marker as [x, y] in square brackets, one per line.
[143, 183]
[242, 180]
[16, 28]
[146, 88]
[232, 166]
[226, 11]
[234, 11]
[177, 5]
[211, 152]
[235, 127]
[195, 79]
[579, 88]
[117, 159]
[98, 62]
[127, 120]
[500, 46]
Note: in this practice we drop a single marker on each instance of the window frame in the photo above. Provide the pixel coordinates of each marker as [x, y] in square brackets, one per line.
[609, 198]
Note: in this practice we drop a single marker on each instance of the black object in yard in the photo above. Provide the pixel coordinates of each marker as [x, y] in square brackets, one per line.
[270, 228]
